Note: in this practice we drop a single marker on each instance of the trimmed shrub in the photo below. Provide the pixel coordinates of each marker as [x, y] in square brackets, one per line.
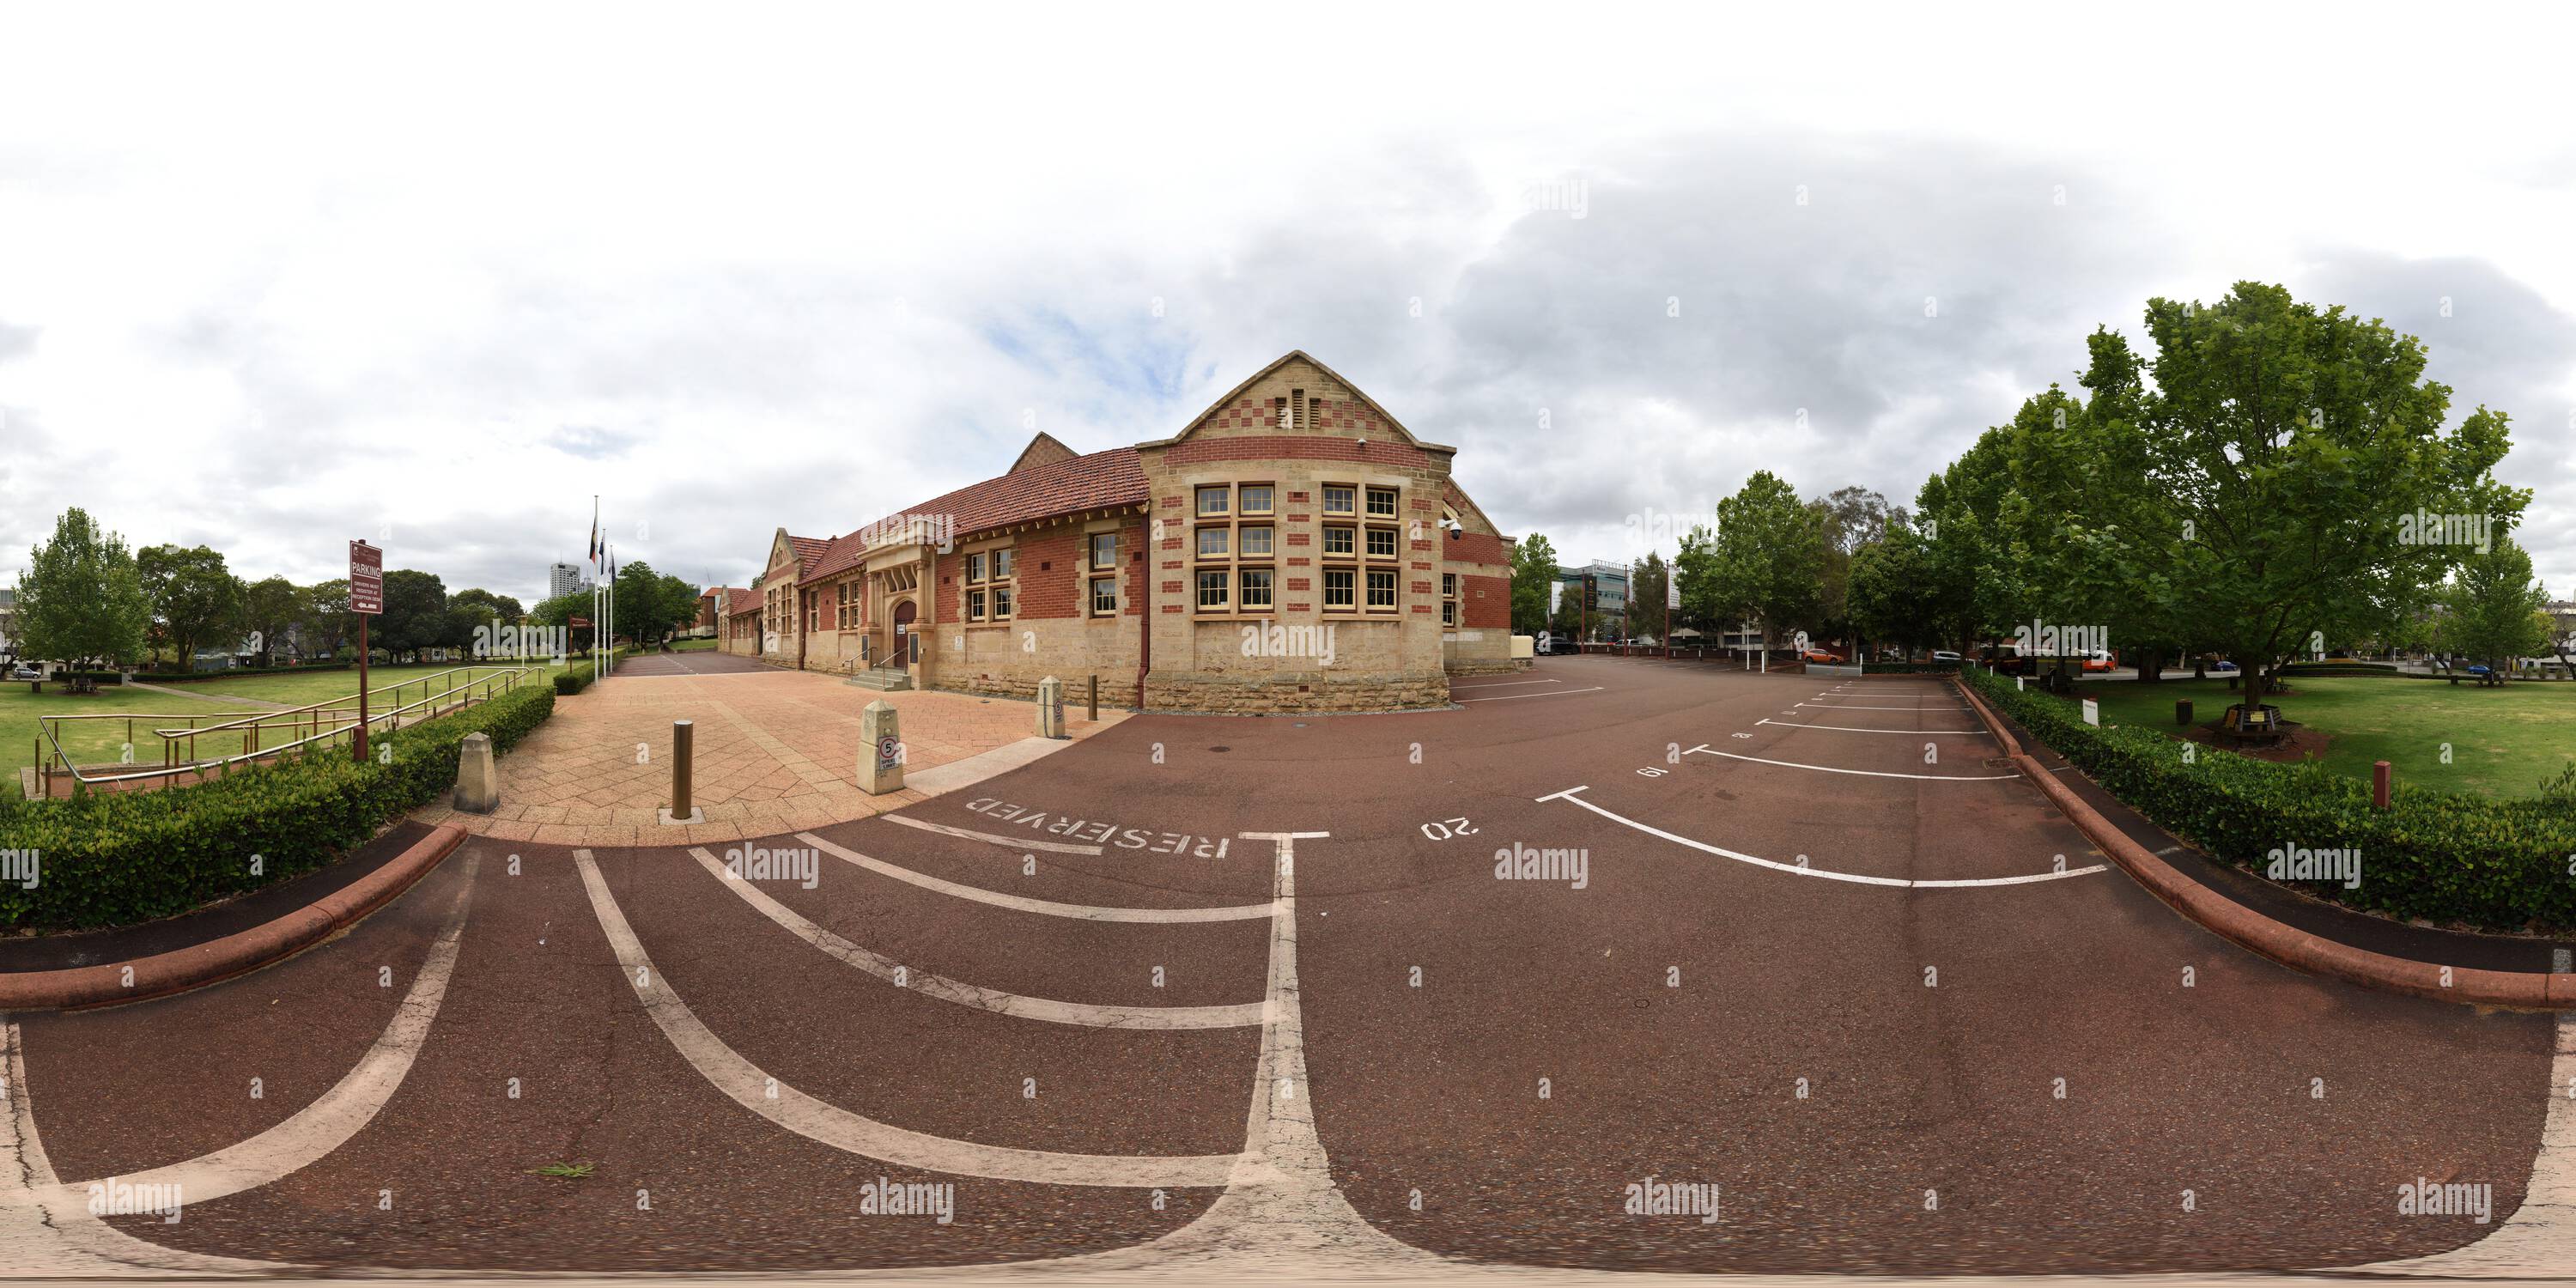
[2441, 856]
[113, 858]
[579, 676]
[183, 677]
[1909, 668]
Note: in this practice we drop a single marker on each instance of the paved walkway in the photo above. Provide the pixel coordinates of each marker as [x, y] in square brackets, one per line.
[776, 751]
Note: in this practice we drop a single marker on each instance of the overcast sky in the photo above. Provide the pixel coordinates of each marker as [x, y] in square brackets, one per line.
[271, 278]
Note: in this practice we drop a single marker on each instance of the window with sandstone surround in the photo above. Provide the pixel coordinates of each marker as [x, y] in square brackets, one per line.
[1232, 559]
[1341, 541]
[1104, 570]
[1337, 590]
[1341, 498]
[1448, 599]
[989, 585]
[1381, 590]
[1381, 543]
[1381, 502]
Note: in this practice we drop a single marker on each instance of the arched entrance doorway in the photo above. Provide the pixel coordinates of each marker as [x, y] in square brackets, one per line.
[905, 613]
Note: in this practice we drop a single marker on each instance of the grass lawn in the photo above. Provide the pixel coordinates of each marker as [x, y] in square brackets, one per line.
[87, 741]
[320, 686]
[692, 646]
[2504, 742]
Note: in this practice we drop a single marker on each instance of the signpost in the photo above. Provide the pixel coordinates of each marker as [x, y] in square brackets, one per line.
[366, 599]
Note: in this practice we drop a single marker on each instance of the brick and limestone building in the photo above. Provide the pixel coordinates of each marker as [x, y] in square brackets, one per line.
[1293, 548]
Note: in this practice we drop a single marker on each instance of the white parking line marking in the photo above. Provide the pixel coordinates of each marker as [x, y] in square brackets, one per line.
[1021, 903]
[318, 1128]
[1703, 749]
[982, 999]
[802, 1114]
[1845, 706]
[988, 838]
[1556, 694]
[1791, 724]
[1853, 877]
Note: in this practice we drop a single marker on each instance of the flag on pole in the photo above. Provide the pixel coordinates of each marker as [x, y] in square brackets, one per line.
[592, 553]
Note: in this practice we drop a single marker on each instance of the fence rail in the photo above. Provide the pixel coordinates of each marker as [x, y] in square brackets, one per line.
[323, 723]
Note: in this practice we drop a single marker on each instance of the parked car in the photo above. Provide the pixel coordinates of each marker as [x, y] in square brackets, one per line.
[26, 672]
[2007, 659]
[2100, 660]
[1820, 656]
[1944, 655]
[2222, 667]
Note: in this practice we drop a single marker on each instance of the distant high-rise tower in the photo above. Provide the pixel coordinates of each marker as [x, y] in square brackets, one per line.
[565, 579]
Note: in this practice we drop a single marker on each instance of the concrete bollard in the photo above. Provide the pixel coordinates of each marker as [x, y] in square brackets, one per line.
[478, 783]
[1051, 708]
[880, 749]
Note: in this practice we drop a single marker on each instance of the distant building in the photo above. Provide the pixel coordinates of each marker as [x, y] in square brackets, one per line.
[2562, 616]
[565, 579]
[1610, 585]
[713, 603]
[8, 622]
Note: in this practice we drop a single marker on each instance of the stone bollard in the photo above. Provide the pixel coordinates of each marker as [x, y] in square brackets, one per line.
[1051, 708]
[478, 784]
[880, 749]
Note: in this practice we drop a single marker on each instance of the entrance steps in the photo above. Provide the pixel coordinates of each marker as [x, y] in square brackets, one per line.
[883, 679]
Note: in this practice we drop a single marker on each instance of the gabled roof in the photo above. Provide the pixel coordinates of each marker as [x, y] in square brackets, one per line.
[1298, 355]
[1099, 481]
[740, 601]
[808, 549]
[1042, 450]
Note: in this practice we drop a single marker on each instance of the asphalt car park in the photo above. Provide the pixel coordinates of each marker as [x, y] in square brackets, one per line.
[1807, 949]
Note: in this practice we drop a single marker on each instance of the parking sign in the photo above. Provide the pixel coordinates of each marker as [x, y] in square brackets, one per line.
[366, 578]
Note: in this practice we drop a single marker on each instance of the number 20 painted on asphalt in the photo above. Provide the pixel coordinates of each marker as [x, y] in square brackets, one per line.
[1447, 828]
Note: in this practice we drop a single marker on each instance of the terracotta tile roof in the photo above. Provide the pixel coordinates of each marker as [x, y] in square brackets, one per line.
[1097, 481]
[741, 601]
[808, 549]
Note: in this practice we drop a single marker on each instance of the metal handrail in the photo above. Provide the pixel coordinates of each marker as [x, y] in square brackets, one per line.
[311, 716]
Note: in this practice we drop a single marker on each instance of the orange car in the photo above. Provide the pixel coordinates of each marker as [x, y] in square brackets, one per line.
[1820, 656]
[2100, 660]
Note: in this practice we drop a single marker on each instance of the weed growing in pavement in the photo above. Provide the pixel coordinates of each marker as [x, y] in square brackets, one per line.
[564, 1171]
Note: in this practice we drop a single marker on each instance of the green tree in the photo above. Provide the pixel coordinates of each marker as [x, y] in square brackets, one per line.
[486, 605]
[1648, 613]
[195, 599]
[324, 616]
[2290, 450]
[415, 615]
[81, 599]
[1533, 571]
[2492, 609]
[1892, 595]
[268, 607]
[1767, 558]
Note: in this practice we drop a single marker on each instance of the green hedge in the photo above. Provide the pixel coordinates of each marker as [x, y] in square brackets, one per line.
[578, 676]
[183, 677]
[114, 858]
[2445, 857]
[1908, 668]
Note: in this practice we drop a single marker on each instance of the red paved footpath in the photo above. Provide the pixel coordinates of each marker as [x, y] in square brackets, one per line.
[1557, 1045]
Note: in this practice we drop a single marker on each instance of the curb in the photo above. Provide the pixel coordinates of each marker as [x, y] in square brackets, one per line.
[240, 953]
[2264, 937]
